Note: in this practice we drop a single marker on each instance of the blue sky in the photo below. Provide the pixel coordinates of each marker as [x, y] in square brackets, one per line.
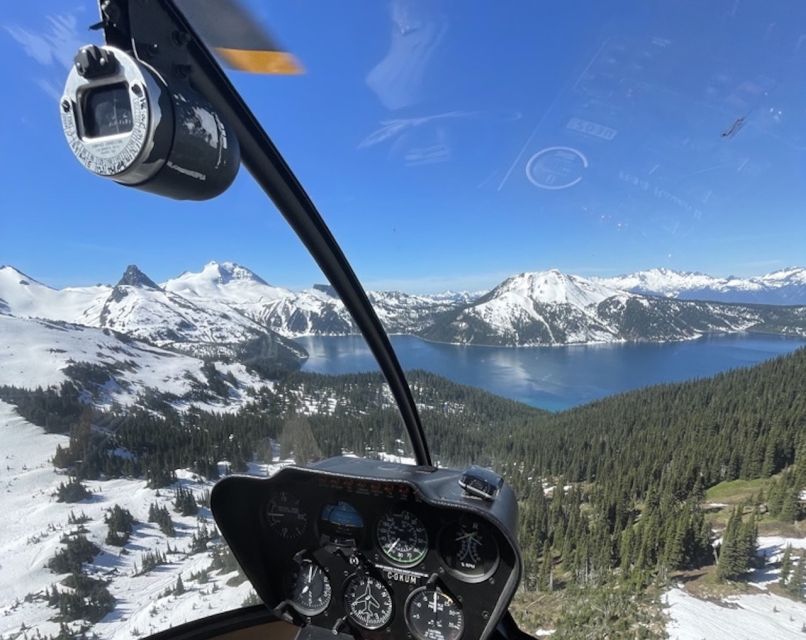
[449, 145]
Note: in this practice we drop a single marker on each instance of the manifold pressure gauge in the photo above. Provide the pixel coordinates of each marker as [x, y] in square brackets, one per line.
[124, 122]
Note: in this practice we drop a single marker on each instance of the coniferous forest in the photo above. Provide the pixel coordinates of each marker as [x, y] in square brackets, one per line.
[611, 493]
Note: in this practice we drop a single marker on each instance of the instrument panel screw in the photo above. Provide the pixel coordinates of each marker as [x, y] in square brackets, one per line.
[137, 90]
[65, 105]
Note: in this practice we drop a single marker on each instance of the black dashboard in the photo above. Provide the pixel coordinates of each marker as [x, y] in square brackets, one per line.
[374, 549]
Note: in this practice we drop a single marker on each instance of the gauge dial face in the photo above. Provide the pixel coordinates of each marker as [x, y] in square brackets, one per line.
[368, 602]
[402, 538]
[310, 589]
[286, 516]
[434, 615]
[469, 549]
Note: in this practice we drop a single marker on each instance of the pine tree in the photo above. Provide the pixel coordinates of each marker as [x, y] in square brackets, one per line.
[786, 565]
[798, 580]
[733, 556]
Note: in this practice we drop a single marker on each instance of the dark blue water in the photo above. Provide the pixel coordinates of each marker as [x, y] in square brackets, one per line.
[554, 378]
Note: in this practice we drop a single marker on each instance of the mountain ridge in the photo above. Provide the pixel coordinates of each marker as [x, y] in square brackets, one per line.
[214, 312]
[783, 286]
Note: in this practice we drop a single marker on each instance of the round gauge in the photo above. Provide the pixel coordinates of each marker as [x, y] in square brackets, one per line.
[368, 602]
[285, 516]
[309, 589]
[402, 538]
[434, 615]
[469, 549]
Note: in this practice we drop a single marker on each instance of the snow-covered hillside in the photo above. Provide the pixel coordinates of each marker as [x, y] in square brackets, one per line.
[762, 616]
[145, 603]
[28, 298]
[741, 617]
[42, 353]
[140, 309]
[785, 286]
[552, 308]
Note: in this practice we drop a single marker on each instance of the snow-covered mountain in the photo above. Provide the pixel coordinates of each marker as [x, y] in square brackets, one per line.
[226, 312]
[140, 309]
[317, 311]
[552, 308]
[786, 286]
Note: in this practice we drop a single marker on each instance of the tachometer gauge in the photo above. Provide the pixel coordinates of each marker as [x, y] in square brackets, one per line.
[285, 515]
[402, 538]
[309, 589]
[368, 602]
[469, 550]
[433, 615]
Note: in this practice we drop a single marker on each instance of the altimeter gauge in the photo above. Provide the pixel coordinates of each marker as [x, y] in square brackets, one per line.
[309, 588]
[368, 602]
[402, 538]
[432, 614]
[469, 549]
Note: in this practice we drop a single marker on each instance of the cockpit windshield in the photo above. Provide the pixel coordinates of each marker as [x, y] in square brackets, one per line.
[565, 215]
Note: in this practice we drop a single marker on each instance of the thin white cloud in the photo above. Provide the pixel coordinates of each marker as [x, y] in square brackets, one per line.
[49, 87]
[57, 44]
[53, 47]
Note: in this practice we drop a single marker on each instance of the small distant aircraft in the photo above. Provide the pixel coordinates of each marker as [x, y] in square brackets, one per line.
[734, 128]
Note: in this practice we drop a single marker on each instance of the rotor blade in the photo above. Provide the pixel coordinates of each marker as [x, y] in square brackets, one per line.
[228, 28]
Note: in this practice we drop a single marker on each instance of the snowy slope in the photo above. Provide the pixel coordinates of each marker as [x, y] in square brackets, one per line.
[742, 617]
[551, 308]
[139, 308]
[746, 617]
[786, 286]
[28, 481]
[26, 297]
[37, 352]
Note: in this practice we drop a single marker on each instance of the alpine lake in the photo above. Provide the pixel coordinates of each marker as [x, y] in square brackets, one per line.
[555, 378]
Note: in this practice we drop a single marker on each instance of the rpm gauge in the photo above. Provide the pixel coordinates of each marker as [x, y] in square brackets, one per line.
[432, 614]
[469, 549]
[309, 589]
[402, 538]
[286, 516]
[368, 602]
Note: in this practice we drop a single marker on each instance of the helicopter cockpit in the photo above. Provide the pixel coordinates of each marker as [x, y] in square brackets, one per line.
[376, 548]
[345, 546]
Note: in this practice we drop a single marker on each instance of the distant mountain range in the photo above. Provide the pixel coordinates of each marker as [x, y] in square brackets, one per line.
[552, 308]
[785, 286]
[229, 315]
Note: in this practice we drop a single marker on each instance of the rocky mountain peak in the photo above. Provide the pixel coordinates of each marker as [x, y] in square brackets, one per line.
[133, 277]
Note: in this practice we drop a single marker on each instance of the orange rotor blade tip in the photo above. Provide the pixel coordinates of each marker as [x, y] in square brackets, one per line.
[264, 62]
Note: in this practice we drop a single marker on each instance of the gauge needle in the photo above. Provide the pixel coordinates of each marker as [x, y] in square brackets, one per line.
[392, 546]
[435, 601]
[310, 574]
